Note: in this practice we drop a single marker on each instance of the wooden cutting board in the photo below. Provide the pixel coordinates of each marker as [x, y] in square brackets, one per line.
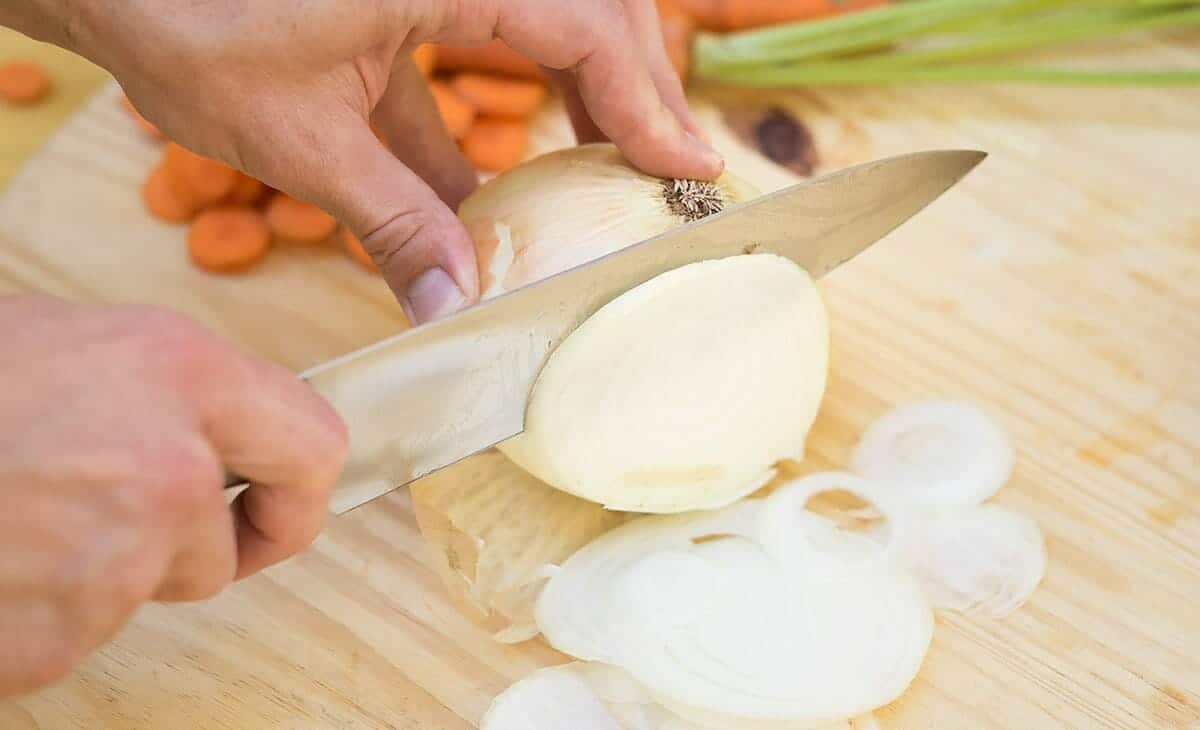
[1057, 286]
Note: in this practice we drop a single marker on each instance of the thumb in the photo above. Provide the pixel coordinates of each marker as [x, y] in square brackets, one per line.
[419, 244]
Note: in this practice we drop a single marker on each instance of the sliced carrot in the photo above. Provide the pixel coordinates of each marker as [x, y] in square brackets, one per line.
[298, 221]
[144, 124]
[206, 182]
[494, 57]
[162, 201]
[228, 238]
[425, 56]
[500, 97]
[496, 144]
[677, 28]
[24, 82]
[354, 247]
[246, 191]
[456, 112]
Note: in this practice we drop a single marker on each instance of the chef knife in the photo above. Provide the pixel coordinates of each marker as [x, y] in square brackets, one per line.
[440, 392]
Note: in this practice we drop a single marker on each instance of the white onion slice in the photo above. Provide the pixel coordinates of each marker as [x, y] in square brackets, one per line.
[939, 453]
[985, 560]
[743, 631]
[555, 698]
[592, 696]
[684, 392]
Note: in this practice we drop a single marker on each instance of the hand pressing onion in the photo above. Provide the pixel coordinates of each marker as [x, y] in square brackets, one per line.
[684, 392]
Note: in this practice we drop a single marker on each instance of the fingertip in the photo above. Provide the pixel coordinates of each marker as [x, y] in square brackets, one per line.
[708, 160]
[272, 525]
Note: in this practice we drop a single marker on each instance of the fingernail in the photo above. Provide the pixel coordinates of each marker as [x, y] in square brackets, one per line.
[711, 157]
[432, 295]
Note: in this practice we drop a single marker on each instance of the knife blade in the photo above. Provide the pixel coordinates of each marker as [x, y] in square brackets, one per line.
[440, 392]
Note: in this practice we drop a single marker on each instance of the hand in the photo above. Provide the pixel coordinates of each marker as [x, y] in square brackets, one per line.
[115, 424]
[285, 91]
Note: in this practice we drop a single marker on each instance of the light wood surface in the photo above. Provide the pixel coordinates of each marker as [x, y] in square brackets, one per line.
[1057, 286]
[23, 129]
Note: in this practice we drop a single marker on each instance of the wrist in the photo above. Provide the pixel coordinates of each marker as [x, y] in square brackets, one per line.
[64, 23]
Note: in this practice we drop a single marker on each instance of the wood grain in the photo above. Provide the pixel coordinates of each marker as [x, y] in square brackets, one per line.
[1056, 286]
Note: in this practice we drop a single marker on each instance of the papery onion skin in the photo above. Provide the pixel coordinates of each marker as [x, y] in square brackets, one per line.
[574, 205]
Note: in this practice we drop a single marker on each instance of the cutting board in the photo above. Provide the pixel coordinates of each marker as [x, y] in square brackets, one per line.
[1056, 286]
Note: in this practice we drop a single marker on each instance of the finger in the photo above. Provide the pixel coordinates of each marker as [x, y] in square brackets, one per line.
[207, 557]
[586, 131]
[267, 425]
[420, 246]
[408, 120]
[593, 40]
[647, 30]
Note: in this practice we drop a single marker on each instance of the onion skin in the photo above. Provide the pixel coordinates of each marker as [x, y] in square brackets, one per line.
[566, 208]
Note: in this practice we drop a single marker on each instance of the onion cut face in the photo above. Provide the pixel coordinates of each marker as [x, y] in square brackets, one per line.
[684, 392]
[940, 453]
[725, 630]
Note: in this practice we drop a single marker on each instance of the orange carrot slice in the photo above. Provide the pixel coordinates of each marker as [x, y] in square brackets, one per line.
[425, 56]
[161, 200]
[494, 57]
[298, 221]
[354, 247]
[228, 238]
[207, 182]
[496, 144]
[24, 82]
[500, 97]
[247, 190]
[457, 114]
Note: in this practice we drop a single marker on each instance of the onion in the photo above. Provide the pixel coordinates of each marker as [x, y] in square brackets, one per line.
[574, 205]
[939, 453]
[549, 699]
[587, 696]
[682, 393]
[725, 630]
[986, 560]
[646, 408]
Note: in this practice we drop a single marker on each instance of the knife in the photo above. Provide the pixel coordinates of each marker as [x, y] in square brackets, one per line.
[440, 392]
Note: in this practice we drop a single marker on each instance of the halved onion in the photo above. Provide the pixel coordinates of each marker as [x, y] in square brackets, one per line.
[939, 453]
[684, 392]
[725, 630]
[986, 560]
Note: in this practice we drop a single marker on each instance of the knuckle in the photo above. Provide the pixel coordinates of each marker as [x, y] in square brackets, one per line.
[171, 345]
[395, 237]
[186, 477]
[51, 656]
[129, 586]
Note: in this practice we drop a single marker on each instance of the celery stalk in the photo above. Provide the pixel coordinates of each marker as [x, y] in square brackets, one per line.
[851, 73]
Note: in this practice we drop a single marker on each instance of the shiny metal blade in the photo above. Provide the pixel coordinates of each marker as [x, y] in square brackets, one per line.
[438, 393]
